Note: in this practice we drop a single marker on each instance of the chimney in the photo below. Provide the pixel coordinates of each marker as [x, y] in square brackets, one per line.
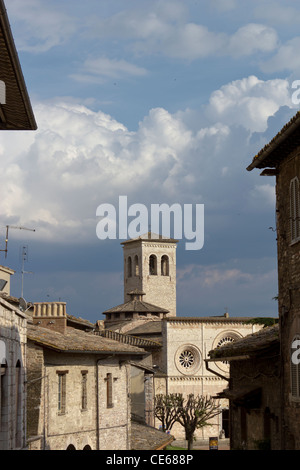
[51, 315]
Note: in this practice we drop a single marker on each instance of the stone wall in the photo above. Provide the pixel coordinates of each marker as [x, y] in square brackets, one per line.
[186, 343]
[95, 425]
[160, 290]
[257, 425]
[288, 294]
[13, 376]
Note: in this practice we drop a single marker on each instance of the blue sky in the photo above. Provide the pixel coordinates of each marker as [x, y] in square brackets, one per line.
[161, 101]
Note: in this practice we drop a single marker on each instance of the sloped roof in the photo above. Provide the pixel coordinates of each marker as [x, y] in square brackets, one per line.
[80, 321]
[78, 341]
[284, 142]
[151, 236]
[251, 345]
[212, 319]
[16, 113]
[138, 306]
[145, 437]
[148, 328]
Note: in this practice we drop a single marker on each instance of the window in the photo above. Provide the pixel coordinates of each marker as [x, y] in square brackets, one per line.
[295, 368]
[109, 391]
[294, 209]
[187, 359]
[84, 390]
[152, 265]
[165, 266]
[62, 382]
[3, 393]
[136, 265]
[129, 267]
[18, 405]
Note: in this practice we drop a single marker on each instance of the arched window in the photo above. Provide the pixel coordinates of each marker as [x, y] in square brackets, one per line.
[153, 265]
[129, 267]
[295, 367]
[294, 209]
[136, 266]
[165, 265]
[71, 447]
[18, 408]
[3, 398]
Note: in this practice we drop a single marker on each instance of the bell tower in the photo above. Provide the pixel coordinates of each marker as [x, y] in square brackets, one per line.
[150, 267]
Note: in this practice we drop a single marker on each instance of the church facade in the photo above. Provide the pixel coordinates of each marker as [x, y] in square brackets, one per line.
[149, 311]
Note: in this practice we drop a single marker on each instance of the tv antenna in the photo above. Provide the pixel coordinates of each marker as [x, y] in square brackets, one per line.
[14, 227]
[24, 258]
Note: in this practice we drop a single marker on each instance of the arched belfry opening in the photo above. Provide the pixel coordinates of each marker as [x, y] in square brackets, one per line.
[152, 270]
[153, 265]
[165, 265]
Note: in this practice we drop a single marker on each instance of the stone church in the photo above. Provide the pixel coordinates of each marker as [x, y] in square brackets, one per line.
[180, 343]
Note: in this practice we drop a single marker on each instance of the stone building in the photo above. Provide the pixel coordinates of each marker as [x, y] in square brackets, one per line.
[15, 114]
[253, 389]
[281, 158]
[13, 323]
[150, 266]
[15, 110]
[179, 344]
[79, 383]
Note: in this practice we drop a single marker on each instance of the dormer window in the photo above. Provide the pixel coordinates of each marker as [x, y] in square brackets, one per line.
[294, 210]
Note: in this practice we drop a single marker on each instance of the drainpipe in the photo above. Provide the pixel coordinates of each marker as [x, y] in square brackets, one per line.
[97, 405]
[214, 372]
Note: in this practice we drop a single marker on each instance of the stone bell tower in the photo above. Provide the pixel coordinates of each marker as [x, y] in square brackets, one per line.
[150, 267]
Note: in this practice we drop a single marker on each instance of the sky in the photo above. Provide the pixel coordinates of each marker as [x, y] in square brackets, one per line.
[164, 102]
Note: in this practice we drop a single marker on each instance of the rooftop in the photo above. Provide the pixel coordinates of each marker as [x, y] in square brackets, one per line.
[251, 345]
[16, 113]
[138, 306]
[145, 437]
[150, 236]
[284, 142]
[78, 341]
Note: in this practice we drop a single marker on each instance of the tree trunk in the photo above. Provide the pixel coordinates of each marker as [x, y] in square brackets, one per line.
[190, 440]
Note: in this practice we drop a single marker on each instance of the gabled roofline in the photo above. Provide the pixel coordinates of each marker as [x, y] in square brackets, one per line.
[266, 156]
[14, 58]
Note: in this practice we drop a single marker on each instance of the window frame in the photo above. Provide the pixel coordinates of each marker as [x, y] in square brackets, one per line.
[294, 196]
[62, 391]
[84, 389]
[109, 390]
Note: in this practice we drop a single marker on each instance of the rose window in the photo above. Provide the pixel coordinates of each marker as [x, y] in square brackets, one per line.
[186, 359]
[225, 340]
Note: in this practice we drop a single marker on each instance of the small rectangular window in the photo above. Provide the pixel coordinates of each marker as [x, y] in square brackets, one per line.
[84, 390]
[109, 391]
[294, 209]
[62, 386]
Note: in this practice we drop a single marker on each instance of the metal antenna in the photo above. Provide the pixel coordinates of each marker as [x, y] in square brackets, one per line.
[24, 258]
[15, 227]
